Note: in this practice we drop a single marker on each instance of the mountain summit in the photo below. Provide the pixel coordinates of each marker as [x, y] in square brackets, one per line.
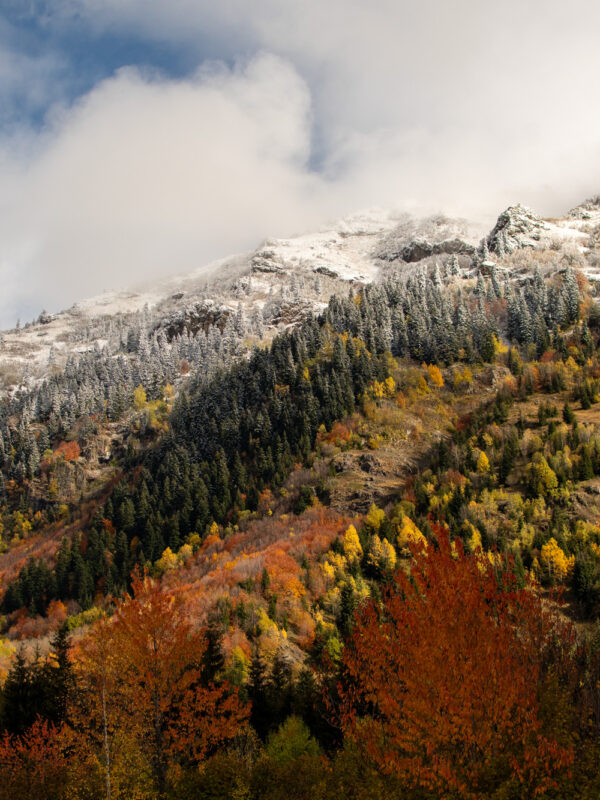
[283, 280]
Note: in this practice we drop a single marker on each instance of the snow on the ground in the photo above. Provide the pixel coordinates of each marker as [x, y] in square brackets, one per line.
[112, 303]
[345, 251]
[565, 230]
[339, 252]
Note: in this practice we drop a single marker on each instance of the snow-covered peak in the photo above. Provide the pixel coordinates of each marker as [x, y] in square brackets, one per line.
[279, 282]
[282, 280]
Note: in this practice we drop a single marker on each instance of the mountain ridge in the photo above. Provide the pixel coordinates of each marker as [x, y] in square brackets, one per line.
[282, 280]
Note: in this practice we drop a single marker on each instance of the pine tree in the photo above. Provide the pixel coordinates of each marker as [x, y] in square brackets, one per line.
[58, 676]
[257, 694]
[480, 290]
[571, 295]
[279, 690]
[213, 660]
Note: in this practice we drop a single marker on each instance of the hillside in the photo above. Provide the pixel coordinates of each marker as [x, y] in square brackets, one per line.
[253, 458]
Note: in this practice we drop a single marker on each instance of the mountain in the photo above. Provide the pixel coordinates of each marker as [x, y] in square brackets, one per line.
[253, 458]
[276, 285]
[282, 281]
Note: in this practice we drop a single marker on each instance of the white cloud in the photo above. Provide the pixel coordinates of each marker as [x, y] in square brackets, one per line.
[507, 91]
[147, 176]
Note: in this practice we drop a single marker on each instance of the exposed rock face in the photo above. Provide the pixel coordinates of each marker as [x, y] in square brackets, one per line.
[343, 462]
[325, 271]
[369, 463]
[419, 249]
[366, 462]
[266, 261]
[199, 316]
[417, 239]
[289, 313]
[516, 227]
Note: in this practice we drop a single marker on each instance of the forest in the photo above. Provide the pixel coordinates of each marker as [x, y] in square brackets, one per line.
[222, 620]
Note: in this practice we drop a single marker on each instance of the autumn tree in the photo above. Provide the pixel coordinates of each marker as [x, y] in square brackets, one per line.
[33, 764]
[352, 547]
[439, 682]
[541, 478]
[435, 375]
[150, 657]
[139, 398]
[99, 712]
[555, 563]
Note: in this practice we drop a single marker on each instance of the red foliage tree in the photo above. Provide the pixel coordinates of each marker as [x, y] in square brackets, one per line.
[440, 682]
[33, 765]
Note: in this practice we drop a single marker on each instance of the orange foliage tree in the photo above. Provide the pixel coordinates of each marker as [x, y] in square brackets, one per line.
[439, 683]
[100, 712]
[69, 450]
[149, 657]
[33, 765]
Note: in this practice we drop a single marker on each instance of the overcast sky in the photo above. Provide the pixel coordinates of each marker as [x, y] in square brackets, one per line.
[144, 137]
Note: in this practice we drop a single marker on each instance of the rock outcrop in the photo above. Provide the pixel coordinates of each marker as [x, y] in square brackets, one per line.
[414, 240]
[516, 227]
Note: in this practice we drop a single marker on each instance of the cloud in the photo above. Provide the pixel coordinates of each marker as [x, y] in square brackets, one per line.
[311, 110]
[146, 176]
[504, 91]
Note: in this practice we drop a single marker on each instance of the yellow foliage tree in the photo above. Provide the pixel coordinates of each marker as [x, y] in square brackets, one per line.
[167, 561]
[139, 398]
[483, 463]
[238, 669]
[409, 534]
[422, 387]
[352, 547]
[390, 386]
[194, 541]
[374, 518]
[499, 346]
[185, 552]
[435, 376]
[388, 560]
[378, 389]
[472, 536]
[541, 477]
[463, 379]
[384, 388]
[555, 564]
[382, 554]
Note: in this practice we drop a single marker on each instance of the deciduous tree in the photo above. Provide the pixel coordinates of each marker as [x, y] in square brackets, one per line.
[149, 657]
[439, 683]
[33, 765]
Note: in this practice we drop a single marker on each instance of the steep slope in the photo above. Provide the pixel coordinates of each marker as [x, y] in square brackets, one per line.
[283, 280]
[279, 283]
[183, 389]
